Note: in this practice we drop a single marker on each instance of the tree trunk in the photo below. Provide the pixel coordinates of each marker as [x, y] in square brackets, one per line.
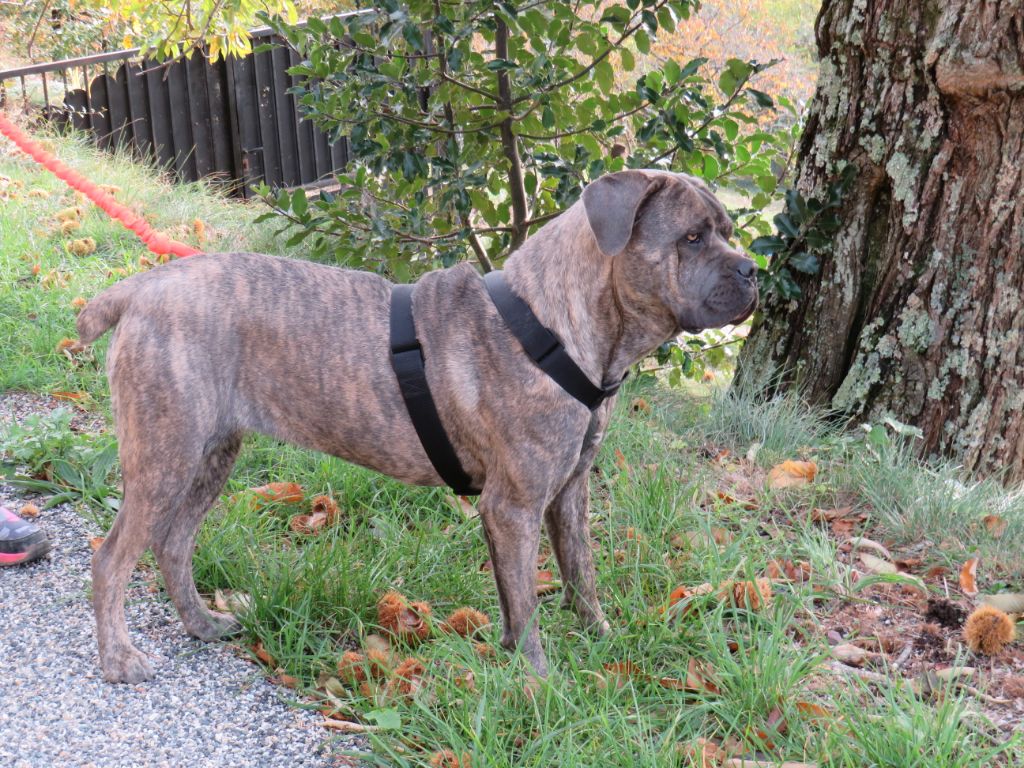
[917, 310]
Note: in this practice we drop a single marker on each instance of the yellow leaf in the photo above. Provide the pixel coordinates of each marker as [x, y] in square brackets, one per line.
[792, 474]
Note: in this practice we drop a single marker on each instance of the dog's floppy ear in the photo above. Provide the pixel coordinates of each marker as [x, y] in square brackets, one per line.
[611, 203]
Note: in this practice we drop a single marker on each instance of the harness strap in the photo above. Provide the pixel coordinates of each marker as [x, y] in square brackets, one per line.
[542, 346]
[407, 361]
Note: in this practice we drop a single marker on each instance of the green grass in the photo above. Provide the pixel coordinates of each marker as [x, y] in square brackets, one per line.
[657, 524]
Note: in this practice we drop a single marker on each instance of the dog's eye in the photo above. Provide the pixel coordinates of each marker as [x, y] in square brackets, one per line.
[693, 238]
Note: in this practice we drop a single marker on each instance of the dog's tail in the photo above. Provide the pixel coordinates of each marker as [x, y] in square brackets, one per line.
[103, 312]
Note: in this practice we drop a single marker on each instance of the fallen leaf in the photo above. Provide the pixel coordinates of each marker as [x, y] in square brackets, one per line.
[230, 601]
[619, 673]
[640, 405]
[702, 753]
[284, 493]
[546, 583]
[96, 542]
[877, 564]
[620, 461]
[263, 654]
[463, 506]
[74, 397]
[346, 726]
[445, 758]
[698, 677]
[752, 595]
[787, 570]
[968, 577]
[851, 654]
[859, 542]
[792, 474]
[813, 711]
[70, 347]
[995, 525]
[1008, 602]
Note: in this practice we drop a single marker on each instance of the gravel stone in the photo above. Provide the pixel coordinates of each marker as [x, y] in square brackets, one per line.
[206, 707]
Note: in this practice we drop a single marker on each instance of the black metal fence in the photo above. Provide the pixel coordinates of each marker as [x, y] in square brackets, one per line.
[232, 120]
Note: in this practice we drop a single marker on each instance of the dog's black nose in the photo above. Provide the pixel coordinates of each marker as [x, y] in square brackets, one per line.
[746, 268]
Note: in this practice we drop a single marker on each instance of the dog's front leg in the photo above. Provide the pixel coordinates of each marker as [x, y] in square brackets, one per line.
[513, 537]
[568, 523]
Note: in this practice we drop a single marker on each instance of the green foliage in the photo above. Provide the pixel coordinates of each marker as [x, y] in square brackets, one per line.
[473, 123]
[803, 237]
[58, 461]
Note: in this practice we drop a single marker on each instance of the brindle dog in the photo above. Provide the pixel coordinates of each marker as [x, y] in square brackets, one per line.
[209, 348]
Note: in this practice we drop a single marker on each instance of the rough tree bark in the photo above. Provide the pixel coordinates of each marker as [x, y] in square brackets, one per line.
[917, 311]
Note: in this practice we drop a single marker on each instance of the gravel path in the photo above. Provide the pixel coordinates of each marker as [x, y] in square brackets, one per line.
[206, 706]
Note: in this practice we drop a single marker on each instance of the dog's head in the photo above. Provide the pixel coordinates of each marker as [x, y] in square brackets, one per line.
[670, 236]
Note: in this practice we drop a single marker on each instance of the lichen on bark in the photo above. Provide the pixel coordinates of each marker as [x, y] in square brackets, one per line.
[917, 313]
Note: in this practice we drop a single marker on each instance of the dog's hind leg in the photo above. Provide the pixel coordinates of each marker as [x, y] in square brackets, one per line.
[174, 543]
[568, 527]
[150, 489]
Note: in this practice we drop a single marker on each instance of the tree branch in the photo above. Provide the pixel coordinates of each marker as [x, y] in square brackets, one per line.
[509, 141]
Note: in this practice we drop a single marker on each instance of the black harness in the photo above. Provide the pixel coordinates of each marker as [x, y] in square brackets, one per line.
[539, 343]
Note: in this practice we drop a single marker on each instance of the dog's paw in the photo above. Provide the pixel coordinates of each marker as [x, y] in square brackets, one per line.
[128, 666]
[213, 625]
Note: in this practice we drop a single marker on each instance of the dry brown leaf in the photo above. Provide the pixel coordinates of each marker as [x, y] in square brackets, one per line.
[787, 570]
[851, 654]
[73, 397]
[640, 405]
[463, 506]
[445, 758]
[969, 576]
[1008, 602]
[96, 542]
[792, 474]
[877, 564]
[618, 673]
[546, 583]
[284, 493]
[752, 595]
[620, 461]
[702, 753]
[230, 601]
[346, 726]
[995, 525]
[698, 677]
[263, 654]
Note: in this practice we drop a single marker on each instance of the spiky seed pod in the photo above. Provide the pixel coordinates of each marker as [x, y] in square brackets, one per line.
[466, 622]
[988, 630]
[352, 668]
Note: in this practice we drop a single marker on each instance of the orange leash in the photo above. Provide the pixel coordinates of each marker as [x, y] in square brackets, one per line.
[156, 242]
